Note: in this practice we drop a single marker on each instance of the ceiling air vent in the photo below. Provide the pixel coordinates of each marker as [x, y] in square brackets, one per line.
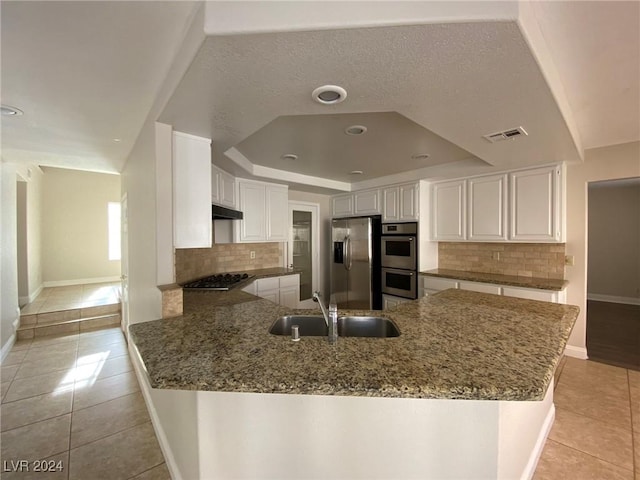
[506, 134]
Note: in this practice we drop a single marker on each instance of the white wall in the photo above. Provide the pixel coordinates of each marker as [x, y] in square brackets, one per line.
[9, 300]
[325, 231]
[607, 163]
[75, 226]
[614, 241]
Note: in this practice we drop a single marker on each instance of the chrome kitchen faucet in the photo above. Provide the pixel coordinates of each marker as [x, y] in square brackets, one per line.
[330, 317]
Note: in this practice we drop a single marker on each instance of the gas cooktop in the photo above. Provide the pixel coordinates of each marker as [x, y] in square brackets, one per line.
[221, 281]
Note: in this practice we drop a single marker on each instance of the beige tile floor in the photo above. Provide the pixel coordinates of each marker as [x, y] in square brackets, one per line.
[53, 299]
[74, 400]
[596, 433]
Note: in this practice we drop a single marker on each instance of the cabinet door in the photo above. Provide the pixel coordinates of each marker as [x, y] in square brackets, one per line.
[438, 284]
[227, 185]
[289, 297]
[271, 295]
[342, 206]
[448, 211]
[408, 195]
[367, 203]
[535, 205]
[215, 185]
[391, 204]
[252, 205]
[192, 227]
[480, 287]
[487, 208]
[531, 294]
[277, 213]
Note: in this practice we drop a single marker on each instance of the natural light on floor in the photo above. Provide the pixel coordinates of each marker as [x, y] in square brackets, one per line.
[84, 374]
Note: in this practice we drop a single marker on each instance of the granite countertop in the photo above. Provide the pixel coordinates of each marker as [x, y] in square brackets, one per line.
[510, 280]
[453, 345]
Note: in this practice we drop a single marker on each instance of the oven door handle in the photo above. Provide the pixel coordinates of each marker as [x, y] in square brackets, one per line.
[347, 253]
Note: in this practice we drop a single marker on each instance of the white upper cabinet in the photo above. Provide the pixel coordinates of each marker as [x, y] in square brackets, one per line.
[277, 213]
[448, 211]
[223, 188]
[265, 210]
[400, 203]
[192, 223]
[366, 202]
[520, 206]
[487, 208]
[252, 205]
[535, 205]
[342, 205]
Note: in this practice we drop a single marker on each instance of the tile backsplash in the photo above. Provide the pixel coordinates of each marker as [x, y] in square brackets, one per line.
[192, 263]
[540, 260]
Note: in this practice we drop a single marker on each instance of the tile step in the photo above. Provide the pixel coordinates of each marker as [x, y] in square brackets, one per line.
[55, 317]
[68, 326]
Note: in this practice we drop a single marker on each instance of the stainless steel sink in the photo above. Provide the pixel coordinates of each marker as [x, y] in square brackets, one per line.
[348, 326]
[308, 325]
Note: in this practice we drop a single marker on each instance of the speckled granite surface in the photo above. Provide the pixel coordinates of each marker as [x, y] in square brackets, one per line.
[509, 280]
[455, 345]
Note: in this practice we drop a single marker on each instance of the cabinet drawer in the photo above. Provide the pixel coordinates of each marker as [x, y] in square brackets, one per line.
[264, 284]
[531, 294]
[480, 287]
[289, 281]
[432, 283]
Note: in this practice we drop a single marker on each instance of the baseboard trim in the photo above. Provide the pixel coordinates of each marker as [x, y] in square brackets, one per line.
[613, 299]
[576, 352]
[6, 348]
[530, 469]
[80, 281]
[155, 420]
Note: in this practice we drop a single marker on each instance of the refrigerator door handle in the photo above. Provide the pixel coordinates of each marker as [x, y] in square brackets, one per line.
[347, 252]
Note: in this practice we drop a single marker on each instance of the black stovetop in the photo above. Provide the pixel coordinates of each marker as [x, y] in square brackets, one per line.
[221, 281]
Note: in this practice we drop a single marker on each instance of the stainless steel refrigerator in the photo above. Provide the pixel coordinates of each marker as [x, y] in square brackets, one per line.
[355, 266]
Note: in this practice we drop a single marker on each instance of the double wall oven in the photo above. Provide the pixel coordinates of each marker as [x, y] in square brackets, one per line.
[399, 259]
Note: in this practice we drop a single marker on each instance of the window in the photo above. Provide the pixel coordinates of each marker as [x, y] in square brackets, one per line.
[113, 212]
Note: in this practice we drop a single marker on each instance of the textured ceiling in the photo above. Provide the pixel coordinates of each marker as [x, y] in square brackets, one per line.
[84, 73]
[460, 81]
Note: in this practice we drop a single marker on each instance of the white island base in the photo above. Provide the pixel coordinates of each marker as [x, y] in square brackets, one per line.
[215, 435]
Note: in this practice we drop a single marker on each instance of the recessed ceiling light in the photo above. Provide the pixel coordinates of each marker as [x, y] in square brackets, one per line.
[117, 140]
[355, 130]
[10, 111]
[420, 156]
[356, 172]
[289, 156]
[329, 94]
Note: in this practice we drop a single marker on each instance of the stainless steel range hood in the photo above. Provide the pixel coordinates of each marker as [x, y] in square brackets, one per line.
[222, 213]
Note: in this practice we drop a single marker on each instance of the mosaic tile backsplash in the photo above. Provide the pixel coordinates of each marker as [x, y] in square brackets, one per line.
[541, 260]
[192, 263]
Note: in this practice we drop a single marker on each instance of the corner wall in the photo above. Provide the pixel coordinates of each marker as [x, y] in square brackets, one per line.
[606, 163]
[9, 300]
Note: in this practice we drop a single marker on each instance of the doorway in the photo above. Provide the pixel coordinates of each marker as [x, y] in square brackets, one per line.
[124, 265]
[21, 238]
[303, 248]
[613, 272]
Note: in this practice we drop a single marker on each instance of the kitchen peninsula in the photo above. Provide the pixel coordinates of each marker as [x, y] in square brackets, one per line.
[463, 392]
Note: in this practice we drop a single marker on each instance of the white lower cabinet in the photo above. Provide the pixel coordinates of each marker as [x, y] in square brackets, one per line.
[437, 284]
[480, 287]
[389, 301]
[284, 290]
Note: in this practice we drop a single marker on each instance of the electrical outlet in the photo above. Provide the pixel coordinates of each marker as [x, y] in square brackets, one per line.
[252, 254]
[569, 260]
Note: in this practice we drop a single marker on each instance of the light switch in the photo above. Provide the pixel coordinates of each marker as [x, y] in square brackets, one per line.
[569, 260]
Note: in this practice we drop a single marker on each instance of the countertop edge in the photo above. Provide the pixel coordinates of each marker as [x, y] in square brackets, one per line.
[555, 285]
